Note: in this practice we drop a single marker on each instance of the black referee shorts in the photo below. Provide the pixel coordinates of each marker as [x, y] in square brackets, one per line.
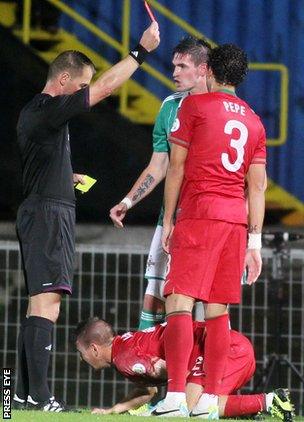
[46, 234]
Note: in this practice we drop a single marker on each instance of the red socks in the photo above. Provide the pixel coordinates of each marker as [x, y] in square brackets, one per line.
[216, 350]
[178, 340]
[244, 405]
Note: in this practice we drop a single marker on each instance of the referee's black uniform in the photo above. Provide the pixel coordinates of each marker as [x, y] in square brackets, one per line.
[46, 217]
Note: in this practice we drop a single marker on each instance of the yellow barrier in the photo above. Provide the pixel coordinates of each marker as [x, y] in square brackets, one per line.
[123, 49]
[178, 21]
[283, 70]
[26, 21]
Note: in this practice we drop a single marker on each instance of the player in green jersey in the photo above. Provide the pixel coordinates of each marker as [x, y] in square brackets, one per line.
[189, 76]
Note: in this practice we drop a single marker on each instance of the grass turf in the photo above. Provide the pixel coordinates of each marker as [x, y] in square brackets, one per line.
[36, 416]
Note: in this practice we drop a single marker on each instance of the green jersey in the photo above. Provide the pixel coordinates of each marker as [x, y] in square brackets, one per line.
[162, 128]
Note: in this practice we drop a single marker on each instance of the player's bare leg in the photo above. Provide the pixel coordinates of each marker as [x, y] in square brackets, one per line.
[153, 303]
[45, 305]
[214, 310]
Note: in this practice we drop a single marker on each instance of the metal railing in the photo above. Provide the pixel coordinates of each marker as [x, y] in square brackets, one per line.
[109, 282]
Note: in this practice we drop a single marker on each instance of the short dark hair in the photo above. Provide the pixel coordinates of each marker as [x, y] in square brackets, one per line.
[198, 49]
[72, 61]
[94, 330]
[228, 63]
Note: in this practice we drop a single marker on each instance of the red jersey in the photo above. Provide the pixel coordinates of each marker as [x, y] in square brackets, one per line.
[135, 354]
[224, 136]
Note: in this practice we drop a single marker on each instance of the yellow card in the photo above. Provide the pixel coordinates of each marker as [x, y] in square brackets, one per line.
[89, 182]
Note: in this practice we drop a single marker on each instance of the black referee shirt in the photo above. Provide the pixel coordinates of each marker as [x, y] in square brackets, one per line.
[43, 140]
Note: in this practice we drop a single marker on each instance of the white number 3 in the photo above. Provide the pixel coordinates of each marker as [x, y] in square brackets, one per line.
[237, 144]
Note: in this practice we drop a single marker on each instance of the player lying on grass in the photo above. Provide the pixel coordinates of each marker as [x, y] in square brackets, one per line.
[140, 357]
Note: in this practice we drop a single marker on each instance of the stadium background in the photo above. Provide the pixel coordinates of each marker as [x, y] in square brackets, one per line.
[113, 144]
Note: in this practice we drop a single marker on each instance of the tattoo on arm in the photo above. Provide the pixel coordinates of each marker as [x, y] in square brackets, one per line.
[148, 181]
[254, 229]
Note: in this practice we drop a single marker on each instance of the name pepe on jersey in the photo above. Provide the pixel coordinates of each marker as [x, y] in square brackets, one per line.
[224, 137]
[234, 107]
[229, 106]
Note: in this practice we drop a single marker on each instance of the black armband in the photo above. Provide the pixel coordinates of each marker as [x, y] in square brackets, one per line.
[139, 53]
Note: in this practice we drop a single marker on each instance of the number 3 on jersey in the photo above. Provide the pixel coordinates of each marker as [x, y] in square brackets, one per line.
[238, 144]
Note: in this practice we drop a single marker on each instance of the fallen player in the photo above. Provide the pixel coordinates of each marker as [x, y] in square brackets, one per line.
[140, 357]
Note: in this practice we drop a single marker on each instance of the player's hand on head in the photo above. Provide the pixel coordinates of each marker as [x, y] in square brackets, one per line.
[150, 38]
[117, 214]
[253, 263]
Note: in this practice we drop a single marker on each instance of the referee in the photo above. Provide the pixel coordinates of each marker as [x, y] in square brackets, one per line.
[46, 217]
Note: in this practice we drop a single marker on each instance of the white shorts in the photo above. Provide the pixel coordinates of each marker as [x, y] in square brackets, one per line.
[156, 267]
[157, 260]
[156, 271]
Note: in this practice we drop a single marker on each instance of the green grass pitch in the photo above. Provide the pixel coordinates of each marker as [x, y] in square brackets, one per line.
[86, 416]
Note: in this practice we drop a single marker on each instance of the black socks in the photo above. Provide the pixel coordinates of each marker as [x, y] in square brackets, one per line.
[22, 387]
[37, 346]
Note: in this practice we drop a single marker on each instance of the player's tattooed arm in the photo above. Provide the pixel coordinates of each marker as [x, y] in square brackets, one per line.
[257, 183]
[143, 188]
[152, 175]
[254, 229]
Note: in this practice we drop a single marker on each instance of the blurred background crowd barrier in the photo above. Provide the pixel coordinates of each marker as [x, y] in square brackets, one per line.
[109, 283]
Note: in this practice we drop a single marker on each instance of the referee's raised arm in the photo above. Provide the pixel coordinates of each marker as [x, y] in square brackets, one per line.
[49, 198]
[122, 71]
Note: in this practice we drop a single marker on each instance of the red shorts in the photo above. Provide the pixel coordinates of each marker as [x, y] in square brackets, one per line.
[240, 364]
[207, 260]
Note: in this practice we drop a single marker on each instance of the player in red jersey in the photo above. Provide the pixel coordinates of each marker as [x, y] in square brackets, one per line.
[218, 145]
[140, 357]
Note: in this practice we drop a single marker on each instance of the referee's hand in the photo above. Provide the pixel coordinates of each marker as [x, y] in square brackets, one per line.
[150, 38]
[78, 178]
[117, 214]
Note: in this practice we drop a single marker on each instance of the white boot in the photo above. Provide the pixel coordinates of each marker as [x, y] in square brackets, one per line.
[174, 405]
[207, 407]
